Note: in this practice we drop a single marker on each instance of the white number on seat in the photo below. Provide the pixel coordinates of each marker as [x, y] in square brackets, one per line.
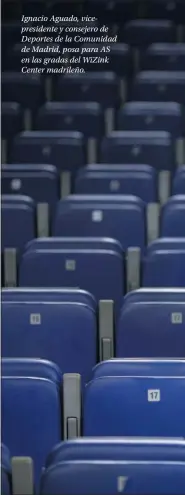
[97, 216]
[154, 395]
[70, 265]
[176, 318]
[35, 319]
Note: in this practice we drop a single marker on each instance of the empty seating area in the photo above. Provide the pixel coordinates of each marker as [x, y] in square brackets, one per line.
[93, 259]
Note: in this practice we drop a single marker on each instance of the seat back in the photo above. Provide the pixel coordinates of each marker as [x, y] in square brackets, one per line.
[179, 181]
[35, 425]
[159, 86]
[78, 116]
[151, 116]
[152, 147]
[74, 242]
[55, 295]
[139, 180]
[38, 368]
[151, 327]
[139, 366]
[19, 212]
[135, 406]
[117, 449]
[110, 477]
[164, 262]
[64, 333]
[48, 147]
[172, 218]
[74, 268]
[40, 182]
[105, 216]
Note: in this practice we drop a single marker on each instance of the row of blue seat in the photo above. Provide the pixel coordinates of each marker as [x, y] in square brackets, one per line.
[68, 327]
[104, 464]
[92, 215]
[41, 182]
[41, 403]
[159, 55]
[102, 87]
[89, 118]
[67, 151]
[33, 387]
[123, 10]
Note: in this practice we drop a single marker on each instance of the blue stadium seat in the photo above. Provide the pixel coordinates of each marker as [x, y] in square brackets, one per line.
[151, 147]
[74, 268]
[117, 449]
[151, 116]
[140, 180]
[74, 242]
[89, 86]
[72, 245]
[19, 212]
[55, 295]
[63, 332]
[156, 294]
[173, 216]
[159, 86]
[143, 32]
[110, 477]
[26, 89]
[36, 368]
[135, 406]
[179, 181]
[164, 263]
[65, 150]
[149, 327]
[164, 56]
[106, 215]
[121, 59]
[139, 367]
[93, 253]
[5, 470]
[16, 198]
[84, 117]
[40, 182]
[163, 9]
[165, 243]
[35, 425]
[11, 119]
